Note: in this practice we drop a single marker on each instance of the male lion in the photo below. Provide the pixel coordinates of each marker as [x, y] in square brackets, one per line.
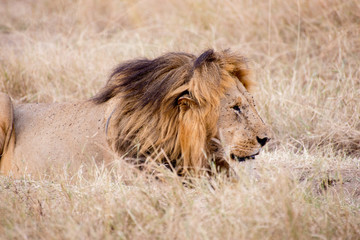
[178, 109]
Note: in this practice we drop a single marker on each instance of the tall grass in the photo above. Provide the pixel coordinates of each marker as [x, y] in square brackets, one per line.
[306, 56]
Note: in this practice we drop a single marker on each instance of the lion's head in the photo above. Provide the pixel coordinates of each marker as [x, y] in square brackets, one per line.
[184, 109]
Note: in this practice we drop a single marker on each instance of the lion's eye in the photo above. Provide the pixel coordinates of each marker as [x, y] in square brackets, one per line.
[237, 108]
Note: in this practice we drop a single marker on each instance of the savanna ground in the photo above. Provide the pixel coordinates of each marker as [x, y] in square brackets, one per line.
[306, 56]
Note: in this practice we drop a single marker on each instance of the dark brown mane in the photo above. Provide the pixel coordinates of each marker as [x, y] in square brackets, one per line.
[150, 80]
[159, 104]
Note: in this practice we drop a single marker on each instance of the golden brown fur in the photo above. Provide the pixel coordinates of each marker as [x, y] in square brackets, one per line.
[171, 104]
[177, 108]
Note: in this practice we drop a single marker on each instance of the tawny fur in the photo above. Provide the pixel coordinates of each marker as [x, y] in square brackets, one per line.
[166, 109]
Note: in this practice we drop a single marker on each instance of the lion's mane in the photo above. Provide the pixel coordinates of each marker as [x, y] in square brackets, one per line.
[167, 108]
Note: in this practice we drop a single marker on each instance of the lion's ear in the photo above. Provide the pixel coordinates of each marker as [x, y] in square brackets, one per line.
[185, 101]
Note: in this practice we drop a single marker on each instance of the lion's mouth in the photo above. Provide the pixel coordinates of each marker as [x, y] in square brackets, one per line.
[243, 159]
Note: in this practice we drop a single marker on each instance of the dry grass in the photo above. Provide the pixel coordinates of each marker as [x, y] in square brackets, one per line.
[307, 60]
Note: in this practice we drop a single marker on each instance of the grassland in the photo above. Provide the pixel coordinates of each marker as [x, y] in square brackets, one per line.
[306, 56]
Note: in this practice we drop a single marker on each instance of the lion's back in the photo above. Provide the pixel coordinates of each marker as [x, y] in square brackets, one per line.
[49, 136]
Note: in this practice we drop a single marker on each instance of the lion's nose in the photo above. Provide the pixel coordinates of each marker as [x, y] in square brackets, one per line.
[262, 141]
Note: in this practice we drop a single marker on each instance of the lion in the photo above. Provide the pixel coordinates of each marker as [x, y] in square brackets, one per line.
[180, 110]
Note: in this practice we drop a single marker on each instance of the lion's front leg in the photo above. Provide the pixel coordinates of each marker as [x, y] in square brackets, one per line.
[7, 133]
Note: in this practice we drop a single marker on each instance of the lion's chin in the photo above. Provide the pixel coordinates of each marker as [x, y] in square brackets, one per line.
[243, 159]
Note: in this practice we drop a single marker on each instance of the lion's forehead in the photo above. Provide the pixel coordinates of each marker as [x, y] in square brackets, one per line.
[237, 95]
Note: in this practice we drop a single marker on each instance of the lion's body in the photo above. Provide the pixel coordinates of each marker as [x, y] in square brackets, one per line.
[176, 107]
[50, 136]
